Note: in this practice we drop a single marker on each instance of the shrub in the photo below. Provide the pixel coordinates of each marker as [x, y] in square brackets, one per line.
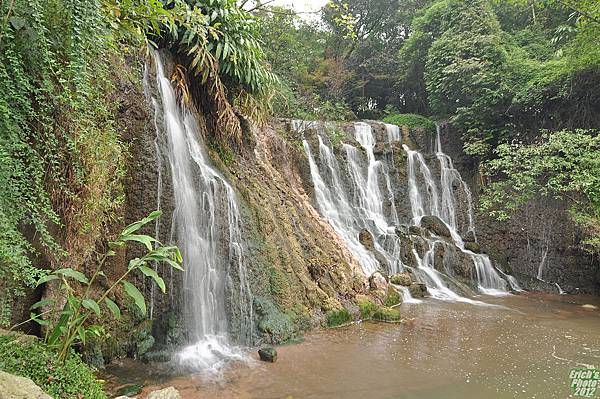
[71, 379]
[411, 121]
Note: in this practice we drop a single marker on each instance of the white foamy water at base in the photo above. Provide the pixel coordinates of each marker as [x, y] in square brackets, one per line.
[211, 355]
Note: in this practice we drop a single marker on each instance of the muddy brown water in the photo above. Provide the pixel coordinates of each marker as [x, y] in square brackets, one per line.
[524, 347]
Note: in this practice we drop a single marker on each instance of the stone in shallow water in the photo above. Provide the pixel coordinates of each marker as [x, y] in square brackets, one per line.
[418, 290]
[129, 390]
[167, 393]
[268, 354]
[14, 387]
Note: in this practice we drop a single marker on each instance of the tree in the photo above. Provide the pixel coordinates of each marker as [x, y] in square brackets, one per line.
[564, 164]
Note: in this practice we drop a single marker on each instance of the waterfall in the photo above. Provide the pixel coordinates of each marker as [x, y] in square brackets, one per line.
[352, 197]
[356, 195]
[206, 225]
[488, 279]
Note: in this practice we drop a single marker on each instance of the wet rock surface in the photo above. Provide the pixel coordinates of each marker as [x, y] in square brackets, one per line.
[404, 279]
[268, 354]
[435, 225]
[418, 290]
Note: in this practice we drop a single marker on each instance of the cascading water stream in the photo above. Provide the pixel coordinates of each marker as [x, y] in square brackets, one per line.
[357, 195]
[351, 199]
[206, 226]
[488, 279]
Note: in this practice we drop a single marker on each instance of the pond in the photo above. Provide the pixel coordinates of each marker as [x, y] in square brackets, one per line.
[512, 347]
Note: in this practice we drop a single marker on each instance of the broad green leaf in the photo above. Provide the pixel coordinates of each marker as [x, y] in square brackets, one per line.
[133, 263]
[113, 308]
[59, 327]
[68, 272]
[45, 279]
[152, 273]
[133, 227]
[136, 295]
[174, 264]
[81, 333]
[92, 305]
[43, 302]
[38, 320]
[144, 239]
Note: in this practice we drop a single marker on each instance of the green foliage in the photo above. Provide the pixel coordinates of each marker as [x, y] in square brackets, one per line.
[412, 121]
[338, 317]
[295, 49]
[70, 326]
[335, 134]
[498, 72]
[364, 35]
[386, 314]
[564, 164]
[60, 155]
[370, 310]
[366, 308]
[217, 39]
[392, 297]
[62, 380]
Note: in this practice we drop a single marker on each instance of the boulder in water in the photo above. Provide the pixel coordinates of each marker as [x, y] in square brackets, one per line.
[130, 390]
[473, 247]
[268, 354]
[404, 279]
[469, 236]
[416, 230]
[386, 314]
[167, 393]
[366, 239]
[435, 225]
[14, 387]
[418, 290]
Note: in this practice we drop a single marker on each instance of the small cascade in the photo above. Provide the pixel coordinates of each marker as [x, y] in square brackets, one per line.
[488, 280]
[356, 197]
[206, 226]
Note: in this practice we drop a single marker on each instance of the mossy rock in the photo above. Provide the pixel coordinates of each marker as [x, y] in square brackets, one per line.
[272, 322]
[33, 360]
[366, 308]
[392, 297]
[386, 314]
[404, 279]
[370, 310]
[338, 317]
[130, 390]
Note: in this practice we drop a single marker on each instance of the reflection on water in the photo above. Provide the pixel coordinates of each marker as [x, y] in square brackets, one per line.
[522, 349]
